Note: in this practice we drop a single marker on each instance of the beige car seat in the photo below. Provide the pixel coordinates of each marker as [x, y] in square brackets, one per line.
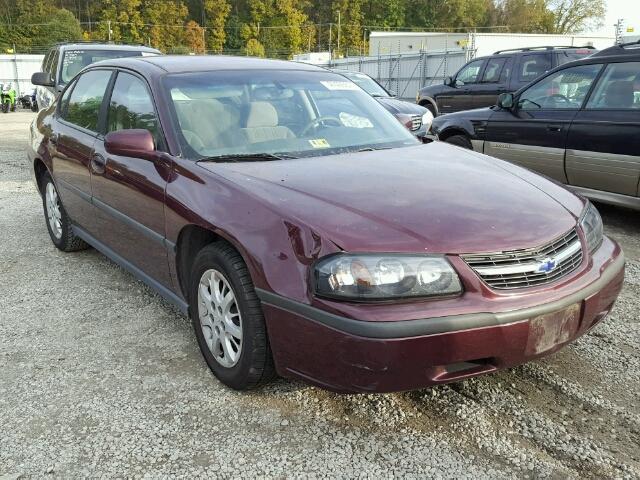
[262, 124]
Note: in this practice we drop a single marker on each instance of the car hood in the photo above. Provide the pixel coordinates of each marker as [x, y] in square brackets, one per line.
[427, 198]
[400, 106]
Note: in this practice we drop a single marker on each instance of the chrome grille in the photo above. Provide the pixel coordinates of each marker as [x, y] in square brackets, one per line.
[529, 268]
[416, 122]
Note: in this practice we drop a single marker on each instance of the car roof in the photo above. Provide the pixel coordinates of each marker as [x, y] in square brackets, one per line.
[624, 49]
[106, 46]
[203, 63]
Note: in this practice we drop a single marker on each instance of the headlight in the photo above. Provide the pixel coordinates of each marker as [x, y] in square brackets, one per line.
[427, 120]
[385, 277]
[591, 224]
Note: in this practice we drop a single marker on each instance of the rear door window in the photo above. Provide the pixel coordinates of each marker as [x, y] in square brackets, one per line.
[85, 101]
[493, 71]
[618, 88]
[534, 65]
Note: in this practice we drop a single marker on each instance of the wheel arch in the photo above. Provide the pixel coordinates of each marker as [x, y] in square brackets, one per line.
[451, 131]
[424, 101]
[39, 170]
[191, 239]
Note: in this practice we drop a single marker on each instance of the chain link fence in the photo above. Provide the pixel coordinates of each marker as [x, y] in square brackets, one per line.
[405, 73]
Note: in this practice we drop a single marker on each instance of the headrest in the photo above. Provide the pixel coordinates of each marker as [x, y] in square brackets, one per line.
[619, 94]
[262, 114]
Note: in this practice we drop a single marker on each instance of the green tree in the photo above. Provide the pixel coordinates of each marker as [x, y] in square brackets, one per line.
[216, 12]
[167, 19]
[573, 16]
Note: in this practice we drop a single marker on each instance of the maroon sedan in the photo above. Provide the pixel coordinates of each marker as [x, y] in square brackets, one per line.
[306, 232]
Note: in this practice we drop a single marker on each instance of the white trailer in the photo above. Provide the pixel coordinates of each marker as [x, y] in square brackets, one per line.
[17, 70]
[389, 43]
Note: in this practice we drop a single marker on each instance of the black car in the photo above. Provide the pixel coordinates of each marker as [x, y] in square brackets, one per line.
[480, 81]
[415, 117]
[578, 124]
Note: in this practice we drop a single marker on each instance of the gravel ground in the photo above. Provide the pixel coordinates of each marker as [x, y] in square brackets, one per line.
[99, 377]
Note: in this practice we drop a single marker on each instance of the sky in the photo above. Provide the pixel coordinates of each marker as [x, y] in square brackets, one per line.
[627, 9]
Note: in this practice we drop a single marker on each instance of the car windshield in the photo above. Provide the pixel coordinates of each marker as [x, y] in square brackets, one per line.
[75, 60]
[267, 114]
[366, 83]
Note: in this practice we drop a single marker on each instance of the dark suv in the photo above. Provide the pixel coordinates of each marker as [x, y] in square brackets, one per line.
[63, 61]
[579, 124]
[480, 81]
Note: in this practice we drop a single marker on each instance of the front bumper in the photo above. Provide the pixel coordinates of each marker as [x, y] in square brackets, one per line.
[348, 355]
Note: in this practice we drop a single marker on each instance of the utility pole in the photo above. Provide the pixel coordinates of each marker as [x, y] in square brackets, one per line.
[109, 28]
[204, 41]
[338, 32]
[330, 35]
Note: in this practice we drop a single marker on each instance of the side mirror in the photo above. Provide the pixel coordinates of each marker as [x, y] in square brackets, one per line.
[448, 81]
[506, 101]
[43, 79]
[136, 143]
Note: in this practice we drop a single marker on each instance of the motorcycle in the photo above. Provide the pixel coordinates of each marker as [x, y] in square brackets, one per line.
[28, 100]
[7, 98]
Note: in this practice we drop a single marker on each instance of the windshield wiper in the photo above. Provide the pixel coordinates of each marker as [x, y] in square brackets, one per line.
[373, 149]
[248, 157]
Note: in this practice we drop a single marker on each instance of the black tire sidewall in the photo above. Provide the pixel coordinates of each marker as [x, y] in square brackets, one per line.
[460, 141]
[240, 376]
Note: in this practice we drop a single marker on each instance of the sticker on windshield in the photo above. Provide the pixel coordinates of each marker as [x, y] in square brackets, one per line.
[319, 143]
[354, 121]
[339, 85]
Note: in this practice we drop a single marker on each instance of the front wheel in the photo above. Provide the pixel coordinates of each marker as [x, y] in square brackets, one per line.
[5, 107]
[58, 223]
[227, 318]
[460, 141]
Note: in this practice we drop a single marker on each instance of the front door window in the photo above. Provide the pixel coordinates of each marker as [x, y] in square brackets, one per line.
[563, 90]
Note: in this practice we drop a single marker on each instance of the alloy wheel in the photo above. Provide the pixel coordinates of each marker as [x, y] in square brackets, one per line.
[220, 318]
[54, 215]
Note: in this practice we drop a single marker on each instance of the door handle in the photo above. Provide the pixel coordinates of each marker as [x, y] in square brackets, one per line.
[554, 128]
[53, 139]
[98, 164]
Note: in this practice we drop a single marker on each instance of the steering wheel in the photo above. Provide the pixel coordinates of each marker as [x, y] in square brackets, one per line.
[316, 122]
[560, 96]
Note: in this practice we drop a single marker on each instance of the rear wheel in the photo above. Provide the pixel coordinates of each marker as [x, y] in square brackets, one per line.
[58, 223]
[460, 141]
[5, 107]
[227, 318]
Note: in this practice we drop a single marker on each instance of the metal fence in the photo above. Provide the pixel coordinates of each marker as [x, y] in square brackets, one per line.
[405, 73]
[17, 70]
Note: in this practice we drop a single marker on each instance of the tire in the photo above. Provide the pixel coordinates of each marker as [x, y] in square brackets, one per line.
[5, 107]
[57, 220]
[220, 265]
[429, 106]
[460, 141]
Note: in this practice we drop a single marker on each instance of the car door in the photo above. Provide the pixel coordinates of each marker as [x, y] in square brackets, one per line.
[128, 192]
[464, 88]
[72, 142]
[603, 147]
[534, 133]
[493, 81]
